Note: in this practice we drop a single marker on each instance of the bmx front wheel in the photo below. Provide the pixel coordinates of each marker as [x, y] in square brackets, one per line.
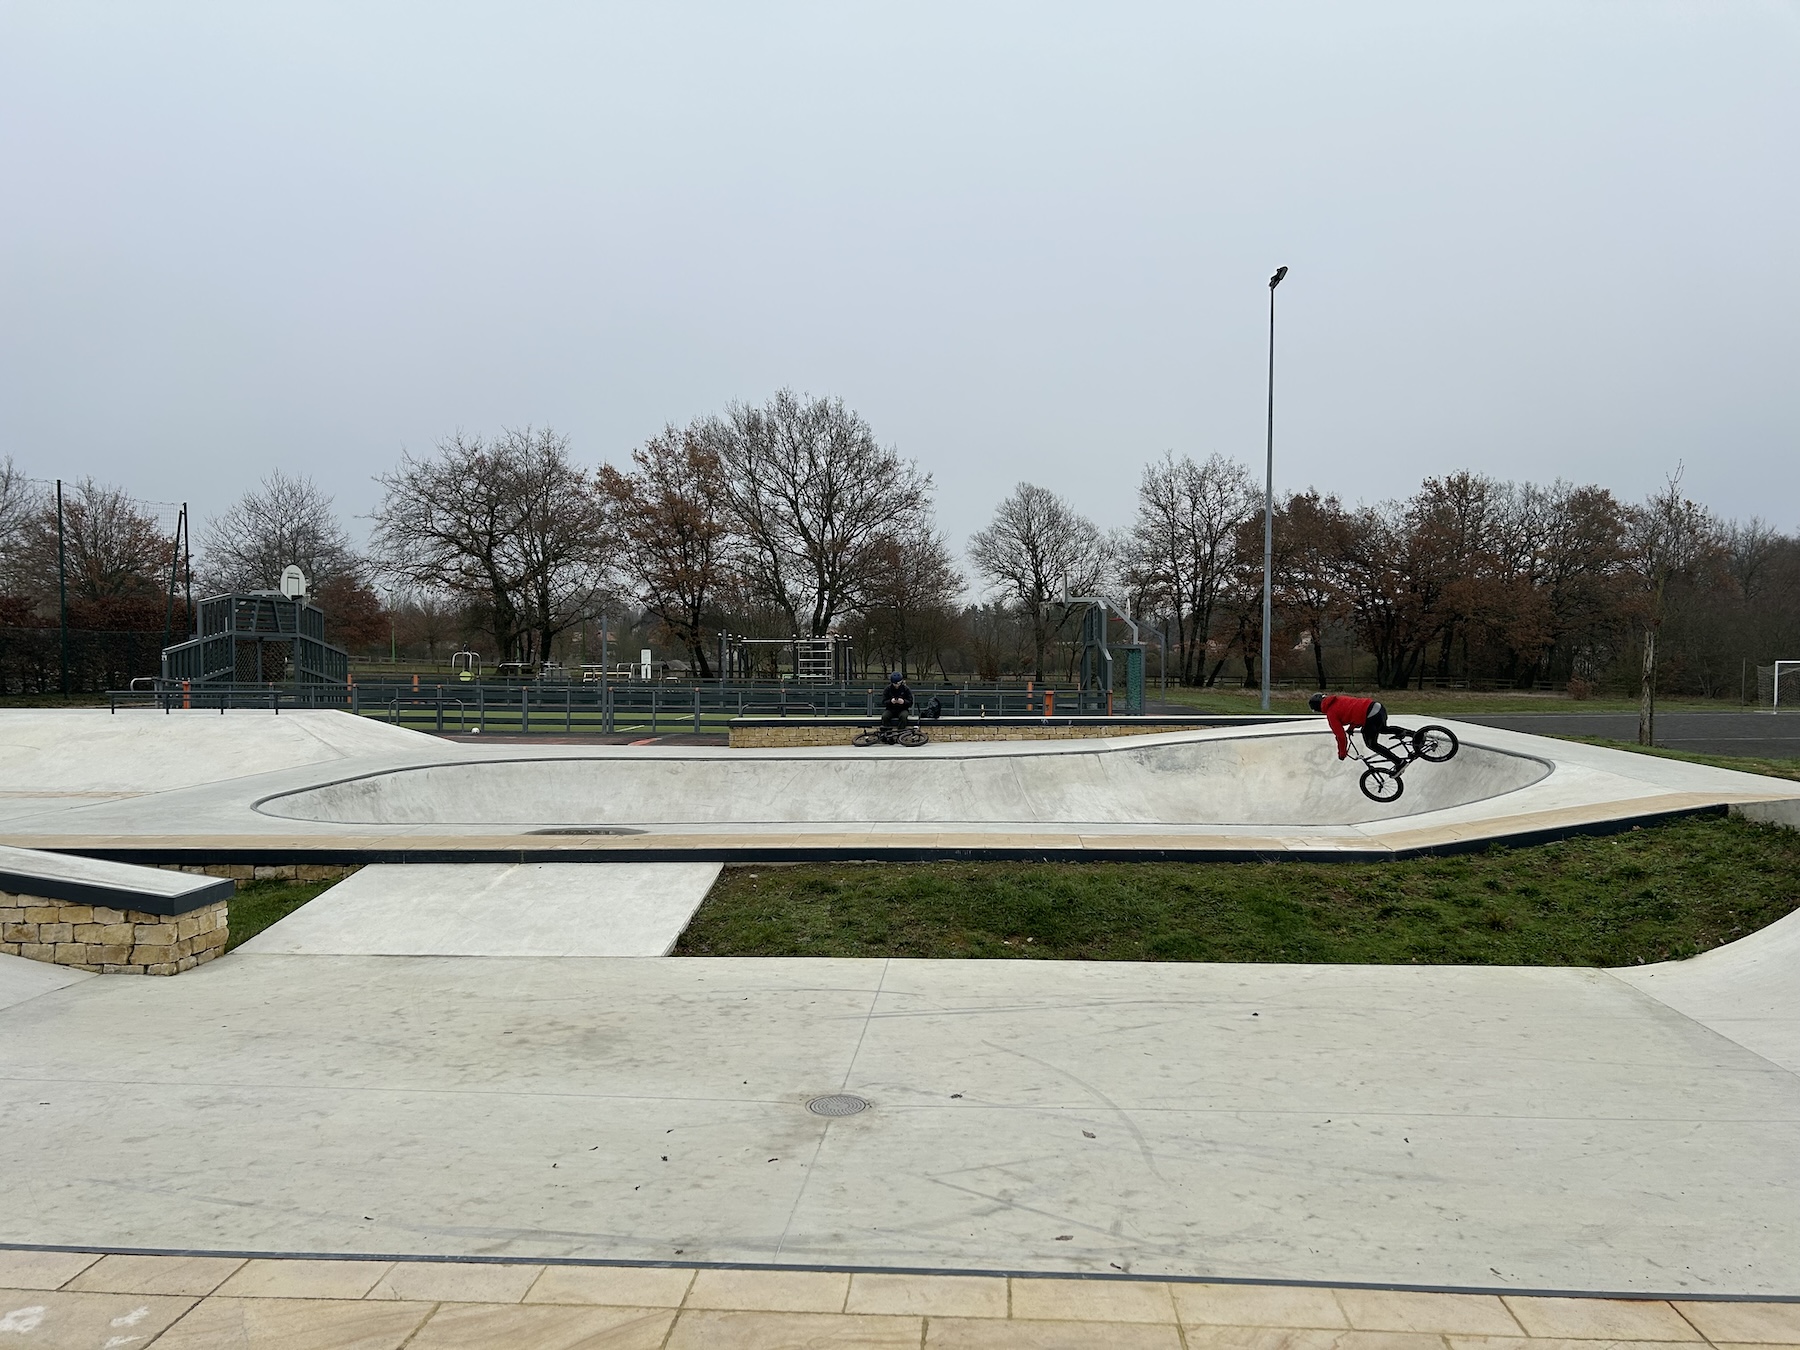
[1381, 785]
[912, 736]
[865, 739]
[1435, 743]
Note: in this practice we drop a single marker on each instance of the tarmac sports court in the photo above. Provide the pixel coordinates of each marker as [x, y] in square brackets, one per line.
[465, 1099]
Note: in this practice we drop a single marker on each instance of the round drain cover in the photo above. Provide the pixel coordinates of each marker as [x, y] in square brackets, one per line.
[837, 1104]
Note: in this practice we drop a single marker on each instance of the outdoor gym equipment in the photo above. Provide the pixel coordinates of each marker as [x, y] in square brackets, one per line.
[810, 660]
[1381, 781]
[909, 734]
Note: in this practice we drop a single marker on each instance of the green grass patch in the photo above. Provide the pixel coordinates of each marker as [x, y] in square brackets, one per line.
[1655, 893]
[257, 904]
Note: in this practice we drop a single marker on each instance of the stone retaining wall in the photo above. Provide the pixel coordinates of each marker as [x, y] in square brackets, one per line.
[265, 871]
[805, 734]
[110, 941]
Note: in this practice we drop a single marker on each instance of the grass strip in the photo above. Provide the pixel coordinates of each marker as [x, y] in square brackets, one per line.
[257, 904]
[1654, 893]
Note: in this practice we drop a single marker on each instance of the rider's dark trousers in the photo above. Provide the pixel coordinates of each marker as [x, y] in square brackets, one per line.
[1372, 728]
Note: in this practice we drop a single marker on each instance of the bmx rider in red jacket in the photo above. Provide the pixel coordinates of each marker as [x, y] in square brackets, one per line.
[1345, 713]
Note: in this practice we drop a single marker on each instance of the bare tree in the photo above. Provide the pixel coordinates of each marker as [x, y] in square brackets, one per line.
[1308, 528]
[1180, 548]
[281, 521]
[115, 551]
[669, 517]
[561, 536]
[1669, 535]
[1578, 564]
[509, 524]
[1751, 548]
[911, 605]
[1037, 548]
[814, 500]
[21, 506]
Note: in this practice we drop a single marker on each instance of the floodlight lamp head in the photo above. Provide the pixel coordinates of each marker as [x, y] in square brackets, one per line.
[1275, 280]
[293, 582]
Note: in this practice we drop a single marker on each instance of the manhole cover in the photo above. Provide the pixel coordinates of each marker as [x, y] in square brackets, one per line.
[837, 1104]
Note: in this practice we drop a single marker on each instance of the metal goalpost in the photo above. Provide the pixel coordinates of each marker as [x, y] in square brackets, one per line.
[1769, 681]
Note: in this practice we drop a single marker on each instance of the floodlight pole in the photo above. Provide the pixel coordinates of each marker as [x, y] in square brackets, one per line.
[1269, 499]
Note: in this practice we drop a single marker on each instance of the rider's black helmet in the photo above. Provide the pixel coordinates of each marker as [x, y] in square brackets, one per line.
[895, 678]
[1316, 702]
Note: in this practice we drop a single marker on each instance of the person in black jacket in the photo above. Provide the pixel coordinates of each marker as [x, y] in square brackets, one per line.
[896, 701]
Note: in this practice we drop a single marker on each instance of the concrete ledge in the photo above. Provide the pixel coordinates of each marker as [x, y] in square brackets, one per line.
[767, 733]
[109, 917]
[113, 885]
[1785, 813]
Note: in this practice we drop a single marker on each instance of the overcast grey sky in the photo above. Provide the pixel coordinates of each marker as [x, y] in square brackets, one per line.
[1025, 240]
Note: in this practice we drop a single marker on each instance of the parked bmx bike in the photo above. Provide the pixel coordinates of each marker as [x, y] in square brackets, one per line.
[1383, 781]
[908, 734]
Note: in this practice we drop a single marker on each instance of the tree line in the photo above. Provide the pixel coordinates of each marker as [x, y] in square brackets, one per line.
[792, 518]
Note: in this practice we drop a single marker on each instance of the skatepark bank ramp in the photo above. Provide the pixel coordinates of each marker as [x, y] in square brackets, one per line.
[1274, 778]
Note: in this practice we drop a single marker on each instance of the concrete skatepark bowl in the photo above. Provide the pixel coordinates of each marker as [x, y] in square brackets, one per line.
[472, 1061]
[1261, 779]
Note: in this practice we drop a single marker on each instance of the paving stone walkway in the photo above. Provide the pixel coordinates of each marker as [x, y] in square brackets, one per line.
[78, 1300]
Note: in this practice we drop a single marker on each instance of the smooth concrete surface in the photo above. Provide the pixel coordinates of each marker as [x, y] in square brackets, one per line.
[393, 793]
[1468, 1127]
[477, 909]
[1231, 779]
[77, 752]
[21, 979]
[1748, 990]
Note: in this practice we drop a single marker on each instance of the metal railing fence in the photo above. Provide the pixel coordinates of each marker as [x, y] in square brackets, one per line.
[652, 709]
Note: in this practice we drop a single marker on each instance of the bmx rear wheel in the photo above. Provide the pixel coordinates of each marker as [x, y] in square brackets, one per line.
[1381, 785]
[912, 736]
[865, 738]
[1435, 743]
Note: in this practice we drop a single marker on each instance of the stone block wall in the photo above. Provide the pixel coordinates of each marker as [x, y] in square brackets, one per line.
[264, 871]
[110, 941]
[801, 734]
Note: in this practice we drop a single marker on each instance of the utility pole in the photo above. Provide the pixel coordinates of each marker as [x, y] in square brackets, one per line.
[1269, 499]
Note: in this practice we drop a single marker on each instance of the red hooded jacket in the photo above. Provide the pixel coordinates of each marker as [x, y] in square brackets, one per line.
[1345, 713]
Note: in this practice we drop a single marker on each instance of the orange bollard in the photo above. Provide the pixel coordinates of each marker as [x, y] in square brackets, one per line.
[1049, 703]
[415, 684]
[186, 702]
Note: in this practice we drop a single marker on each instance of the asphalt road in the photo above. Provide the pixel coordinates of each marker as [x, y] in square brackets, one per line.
[1759, 734]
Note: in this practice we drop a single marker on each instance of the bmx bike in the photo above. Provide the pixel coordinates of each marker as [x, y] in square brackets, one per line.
[1382, 781]
[909, 734]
